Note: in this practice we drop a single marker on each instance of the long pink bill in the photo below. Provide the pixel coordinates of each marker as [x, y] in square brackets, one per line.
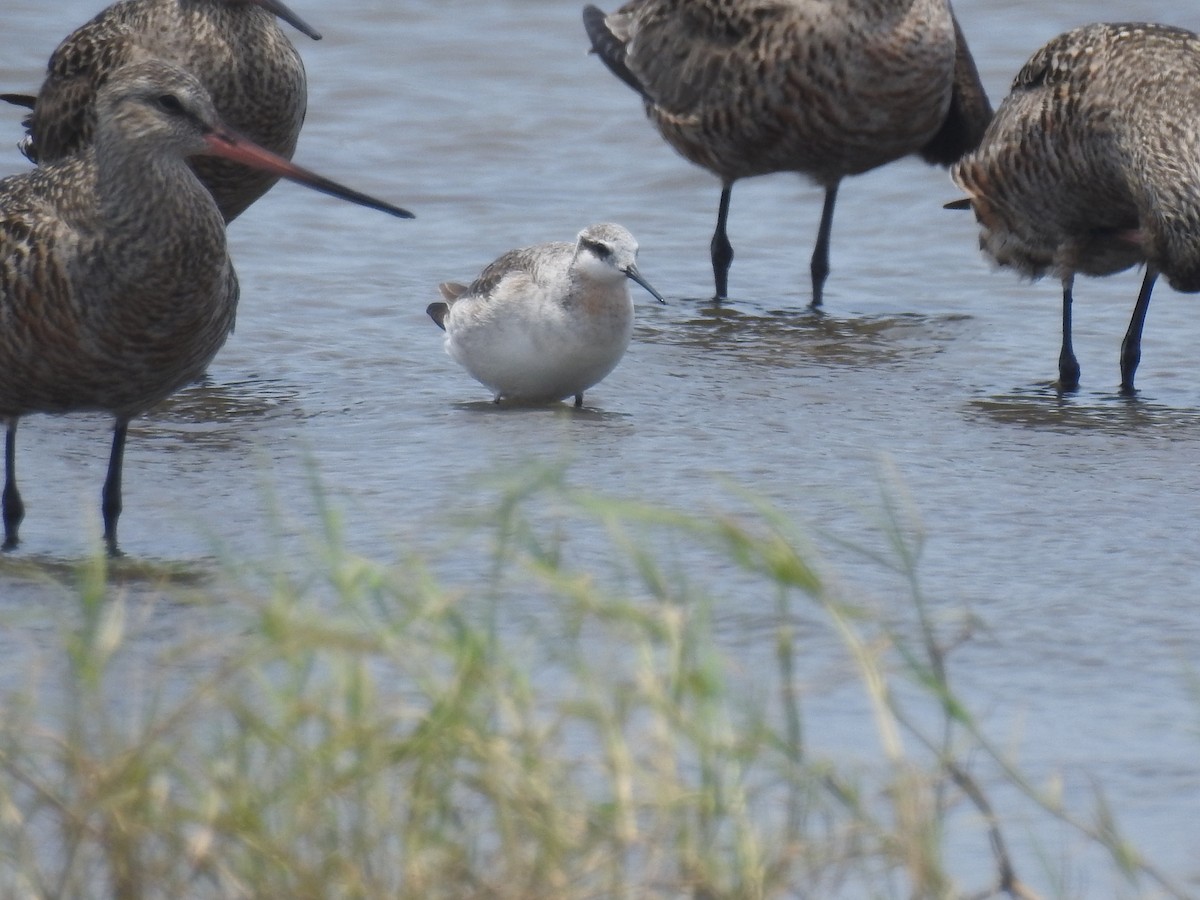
[230, 145]
[281, 10]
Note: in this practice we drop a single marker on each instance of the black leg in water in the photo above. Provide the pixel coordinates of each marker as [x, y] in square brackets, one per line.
[721, 249]
[579, 401]
[820, 257]
[1131, 347]
[13, 507]
[110, 500]
[1068, 365]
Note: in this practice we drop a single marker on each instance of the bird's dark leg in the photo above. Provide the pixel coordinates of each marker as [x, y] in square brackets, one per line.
[1131, 347]
[13, 507]
[110, 501]
[820, 257]
[722, 250]
[1068, 365]
[579, 401]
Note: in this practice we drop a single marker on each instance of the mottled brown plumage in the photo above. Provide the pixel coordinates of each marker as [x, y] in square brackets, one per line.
[116, 288]
[827, 89]
[1092, 165]
[234, 47]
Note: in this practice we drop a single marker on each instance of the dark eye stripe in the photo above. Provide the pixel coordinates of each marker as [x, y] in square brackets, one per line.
[603, 251]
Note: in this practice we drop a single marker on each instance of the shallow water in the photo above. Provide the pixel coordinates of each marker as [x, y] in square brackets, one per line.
[1066, 524]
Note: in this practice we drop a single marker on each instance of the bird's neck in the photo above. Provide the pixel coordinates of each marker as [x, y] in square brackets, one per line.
[157, 218]
[229, 26]
[1168, 207]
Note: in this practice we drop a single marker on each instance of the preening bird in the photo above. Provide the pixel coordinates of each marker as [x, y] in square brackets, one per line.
[1092, 166]
[827, 89]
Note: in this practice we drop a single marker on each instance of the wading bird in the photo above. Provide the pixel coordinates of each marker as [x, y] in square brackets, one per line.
[545, 322]
[116, 287]
[828, 89]
[1092, 165]
[234, 47]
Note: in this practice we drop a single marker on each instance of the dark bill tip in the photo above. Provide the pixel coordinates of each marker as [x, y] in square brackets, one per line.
[634, 275]
[283, 11]
[232, 146]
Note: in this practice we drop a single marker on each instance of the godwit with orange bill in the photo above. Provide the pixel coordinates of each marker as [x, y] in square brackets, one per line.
[116, 287]
[234, 47]
[829, 89]
[1092, 165]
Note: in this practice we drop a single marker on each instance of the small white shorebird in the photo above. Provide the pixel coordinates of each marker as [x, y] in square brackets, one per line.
[545, 322]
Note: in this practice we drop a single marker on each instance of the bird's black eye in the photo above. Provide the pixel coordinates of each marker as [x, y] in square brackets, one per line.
[170, 103]
[601, 250]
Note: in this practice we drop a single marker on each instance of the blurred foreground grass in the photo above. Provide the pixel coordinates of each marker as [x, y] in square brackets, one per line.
[362, 730]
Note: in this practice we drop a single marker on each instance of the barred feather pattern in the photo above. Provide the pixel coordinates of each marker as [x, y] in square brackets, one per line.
[116, 288]
[828, 88]
[237, 51]
[1092, 163]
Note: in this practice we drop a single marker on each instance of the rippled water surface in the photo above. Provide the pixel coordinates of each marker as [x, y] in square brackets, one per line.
[1069, 525]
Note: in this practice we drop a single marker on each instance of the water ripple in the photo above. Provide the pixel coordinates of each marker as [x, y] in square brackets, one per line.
[1044, 407]
[791, 338]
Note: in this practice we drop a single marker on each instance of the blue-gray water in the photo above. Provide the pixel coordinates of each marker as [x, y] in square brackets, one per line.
[1069, 526]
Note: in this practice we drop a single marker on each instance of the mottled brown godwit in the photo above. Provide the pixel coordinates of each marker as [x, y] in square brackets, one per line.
[827, 89]
[234, 47]
[1092, 165]
[116, 288]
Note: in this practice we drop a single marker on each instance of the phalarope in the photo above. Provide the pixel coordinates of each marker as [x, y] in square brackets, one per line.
[545, 322]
